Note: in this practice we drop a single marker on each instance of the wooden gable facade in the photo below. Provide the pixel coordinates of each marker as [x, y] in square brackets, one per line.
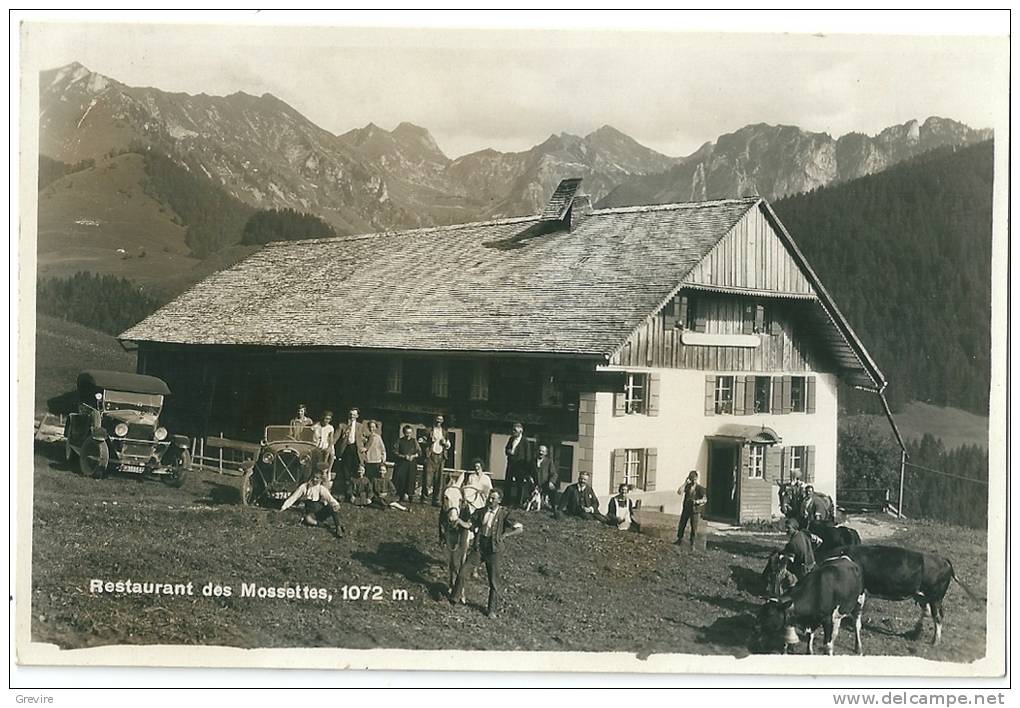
[746, 306]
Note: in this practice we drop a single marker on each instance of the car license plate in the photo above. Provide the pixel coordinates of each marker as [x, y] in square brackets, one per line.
[132, 468]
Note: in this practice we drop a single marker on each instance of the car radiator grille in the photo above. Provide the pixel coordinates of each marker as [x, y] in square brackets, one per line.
[136, 450]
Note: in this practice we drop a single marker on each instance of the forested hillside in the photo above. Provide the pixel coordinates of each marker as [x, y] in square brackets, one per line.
[906, 254]
[102, 302]
[214, 218]
[283, 225]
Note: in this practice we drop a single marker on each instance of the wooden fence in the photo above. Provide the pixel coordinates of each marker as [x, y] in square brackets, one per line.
[864, 499]
[227, 456]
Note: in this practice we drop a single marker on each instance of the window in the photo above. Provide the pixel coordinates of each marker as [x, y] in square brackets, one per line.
[694, 317]
[440, 379]
[756, 462]
[480, 381]
[565, 462]
[798, 394]
[634, 394]
[633, 466]
[724, 394]
[552, 391]
[797, 462]
[762, 394]
[395, 376]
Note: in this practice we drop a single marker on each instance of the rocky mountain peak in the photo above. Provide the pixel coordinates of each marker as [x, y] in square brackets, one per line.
[75, 76]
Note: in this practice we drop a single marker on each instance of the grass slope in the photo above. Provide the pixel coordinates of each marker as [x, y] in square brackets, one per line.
[570, 585]
[62, 349]
[86, 216]
[956, 427]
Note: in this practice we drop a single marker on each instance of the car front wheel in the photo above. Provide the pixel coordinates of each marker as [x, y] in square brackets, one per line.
[179, 470]
[94, 458]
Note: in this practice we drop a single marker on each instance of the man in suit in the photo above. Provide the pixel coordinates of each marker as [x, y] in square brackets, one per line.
[492, 525]
[518, 465]
[435, 445]
[548, 478]
[579, 500]
[694, 503]
[349, 439]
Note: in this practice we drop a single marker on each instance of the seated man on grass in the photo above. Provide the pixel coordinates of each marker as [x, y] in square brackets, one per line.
[579, 500]
[319, 503]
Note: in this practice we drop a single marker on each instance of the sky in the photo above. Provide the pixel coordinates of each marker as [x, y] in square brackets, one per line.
[510, 89]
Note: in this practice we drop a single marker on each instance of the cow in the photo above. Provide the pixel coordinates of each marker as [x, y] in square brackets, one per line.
[894, 573]
[834, 590]
[831, 536]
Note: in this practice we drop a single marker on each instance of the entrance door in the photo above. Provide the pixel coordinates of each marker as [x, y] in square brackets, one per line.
[722, 480]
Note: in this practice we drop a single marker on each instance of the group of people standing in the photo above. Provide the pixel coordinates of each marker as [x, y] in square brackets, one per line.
[355, 458]
[354, 467]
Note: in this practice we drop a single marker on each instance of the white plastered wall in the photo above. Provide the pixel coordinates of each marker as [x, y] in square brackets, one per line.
[680, 429]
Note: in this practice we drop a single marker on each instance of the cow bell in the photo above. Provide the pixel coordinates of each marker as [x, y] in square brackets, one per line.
[791, 636]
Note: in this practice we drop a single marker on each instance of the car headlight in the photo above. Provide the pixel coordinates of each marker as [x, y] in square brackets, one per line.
[121, 430]
[160, 433]
[267, 458]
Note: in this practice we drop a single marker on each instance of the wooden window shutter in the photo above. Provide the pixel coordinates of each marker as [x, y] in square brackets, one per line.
[700, 321]
[749, 386]
[651, 461]
[809, 384]
[710, 394]
[654, 383]
[617, 460]
[777, 394]
[745, 460]
[748, 324]
[773, 462]
[787, 463]
[787, 389]
[682, 317]
[619, 404]
[809, 464]
[759, 318]
[739, 395]
[671, 313]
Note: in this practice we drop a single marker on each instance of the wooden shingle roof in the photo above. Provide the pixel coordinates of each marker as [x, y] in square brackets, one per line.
[508, 285]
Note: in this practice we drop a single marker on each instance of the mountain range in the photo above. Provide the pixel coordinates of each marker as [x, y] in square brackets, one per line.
[264, 153]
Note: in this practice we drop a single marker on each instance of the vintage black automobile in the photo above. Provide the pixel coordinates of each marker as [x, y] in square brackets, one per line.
[287, 457]
[116, 428]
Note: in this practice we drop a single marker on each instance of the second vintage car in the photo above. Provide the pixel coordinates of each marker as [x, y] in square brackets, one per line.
[287, 457]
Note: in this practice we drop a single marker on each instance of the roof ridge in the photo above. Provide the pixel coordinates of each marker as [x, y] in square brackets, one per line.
[701, 204]
[408, 232]
[520, 220]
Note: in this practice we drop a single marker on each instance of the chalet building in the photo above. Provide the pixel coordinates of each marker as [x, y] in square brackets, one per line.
[638, 343]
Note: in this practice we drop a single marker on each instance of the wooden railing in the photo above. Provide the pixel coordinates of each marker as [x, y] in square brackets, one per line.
[867, 499]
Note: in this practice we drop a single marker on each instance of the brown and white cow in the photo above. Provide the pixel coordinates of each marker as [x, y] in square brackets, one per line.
[832, 591]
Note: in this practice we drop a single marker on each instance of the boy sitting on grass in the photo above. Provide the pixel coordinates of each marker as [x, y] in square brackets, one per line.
[359, 491]
[385, 494]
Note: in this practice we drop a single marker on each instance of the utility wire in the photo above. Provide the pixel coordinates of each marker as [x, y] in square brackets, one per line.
[946, 474]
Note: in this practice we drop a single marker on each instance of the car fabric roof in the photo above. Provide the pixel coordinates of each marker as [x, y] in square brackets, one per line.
[122, 381]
